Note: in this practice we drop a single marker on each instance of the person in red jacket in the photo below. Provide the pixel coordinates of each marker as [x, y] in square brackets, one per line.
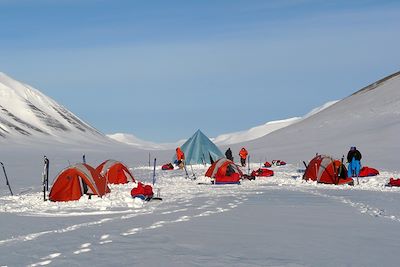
[180, 157]
[243, 155]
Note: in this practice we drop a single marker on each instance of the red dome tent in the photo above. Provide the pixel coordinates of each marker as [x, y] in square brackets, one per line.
[115, 172]
[77, 180]
[327, 170]
[224, 171]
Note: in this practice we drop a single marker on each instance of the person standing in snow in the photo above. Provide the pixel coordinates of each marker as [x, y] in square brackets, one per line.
[353, 159]
[228, 154]
[180, 157]
[243, 155]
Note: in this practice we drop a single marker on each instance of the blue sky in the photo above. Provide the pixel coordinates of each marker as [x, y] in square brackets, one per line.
[163, 69]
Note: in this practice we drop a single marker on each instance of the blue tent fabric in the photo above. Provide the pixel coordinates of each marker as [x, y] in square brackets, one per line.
[199, 148]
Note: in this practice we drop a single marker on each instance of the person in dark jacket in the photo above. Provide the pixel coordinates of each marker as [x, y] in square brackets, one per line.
[354, 160]
[228, 154]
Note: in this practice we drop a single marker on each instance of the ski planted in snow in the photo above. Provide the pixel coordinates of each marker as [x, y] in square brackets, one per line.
[154, 171]
[5, 175]
[45, 177]
[248, 165]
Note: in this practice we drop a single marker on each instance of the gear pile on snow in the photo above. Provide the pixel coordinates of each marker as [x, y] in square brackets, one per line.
[267, 164]
[144, 192]
[167, 167]
[278, 162]
[262, 172]
[367, 171]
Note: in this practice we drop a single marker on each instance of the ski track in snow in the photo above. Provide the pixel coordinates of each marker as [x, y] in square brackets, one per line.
[105, 239]
[361, 207]
[46, 260]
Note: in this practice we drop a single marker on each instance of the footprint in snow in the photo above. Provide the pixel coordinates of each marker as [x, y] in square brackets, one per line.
[42, 263]
[231, 205]
[83, 249]
[183, 219]
[104, 240]
[156, 225]
[204, 214]
[46, 260]
[132, 231]
[173, 211]
[203, 207]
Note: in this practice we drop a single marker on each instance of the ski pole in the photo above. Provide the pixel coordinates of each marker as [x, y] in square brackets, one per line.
[154, 171]
[47, 166]
[184, 167]
[5, 175]
[248, 165]
[305, 164]
[194, 175]
[44, 186]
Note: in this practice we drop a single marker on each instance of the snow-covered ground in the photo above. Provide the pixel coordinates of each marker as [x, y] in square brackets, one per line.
[276, 221]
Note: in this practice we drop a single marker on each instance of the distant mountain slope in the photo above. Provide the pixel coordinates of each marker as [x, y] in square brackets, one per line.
[132, 140]
[223, 139]
[259, 131]
[253, 133]
[368, 119]
[26, 113]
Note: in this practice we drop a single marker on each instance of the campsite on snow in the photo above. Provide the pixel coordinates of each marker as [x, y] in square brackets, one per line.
[291, 204]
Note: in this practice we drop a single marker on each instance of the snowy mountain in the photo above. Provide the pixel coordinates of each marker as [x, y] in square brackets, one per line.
[26, 113]
[223, 139]
[368, 119]
[259, 131]
[253, 133]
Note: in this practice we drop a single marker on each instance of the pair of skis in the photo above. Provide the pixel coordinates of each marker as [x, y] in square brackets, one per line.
[45, 177]
[187, 174]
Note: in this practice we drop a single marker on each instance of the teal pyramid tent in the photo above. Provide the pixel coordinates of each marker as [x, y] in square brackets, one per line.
[199, 148]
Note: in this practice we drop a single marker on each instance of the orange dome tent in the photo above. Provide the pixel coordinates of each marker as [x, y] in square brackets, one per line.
[77, 180]
[224, 171]
[327, 170]
[115, 172]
